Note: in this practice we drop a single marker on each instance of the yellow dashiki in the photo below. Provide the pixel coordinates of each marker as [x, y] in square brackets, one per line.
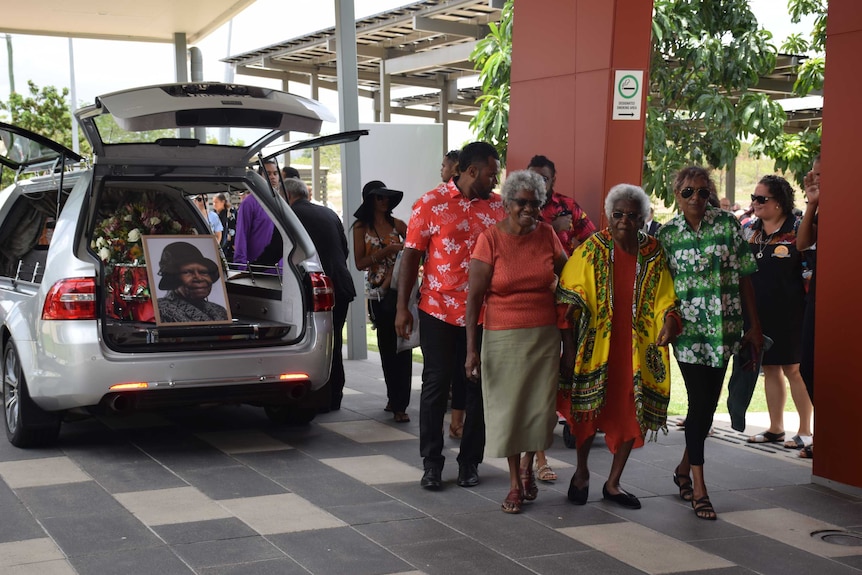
[587, 285]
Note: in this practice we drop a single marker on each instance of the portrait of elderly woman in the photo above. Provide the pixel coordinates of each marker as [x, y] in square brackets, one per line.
[622, 309]
[186, 281]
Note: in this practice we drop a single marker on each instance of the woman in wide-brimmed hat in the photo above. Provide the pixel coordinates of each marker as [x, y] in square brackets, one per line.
[377, 239]
[188, 276]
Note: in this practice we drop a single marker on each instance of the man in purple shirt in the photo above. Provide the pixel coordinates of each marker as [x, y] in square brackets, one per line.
[253, 226]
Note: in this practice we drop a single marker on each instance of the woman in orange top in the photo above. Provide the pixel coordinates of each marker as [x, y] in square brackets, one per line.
[513, 271]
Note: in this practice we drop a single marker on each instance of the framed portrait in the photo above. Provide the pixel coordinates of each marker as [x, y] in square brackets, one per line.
[187, 280]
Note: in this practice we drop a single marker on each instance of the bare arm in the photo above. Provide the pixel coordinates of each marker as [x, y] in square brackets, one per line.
[480, 278]
[406, 280]
[362, 261]
[806, 235]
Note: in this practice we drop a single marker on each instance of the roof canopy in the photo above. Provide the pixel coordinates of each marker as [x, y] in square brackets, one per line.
[133, 20]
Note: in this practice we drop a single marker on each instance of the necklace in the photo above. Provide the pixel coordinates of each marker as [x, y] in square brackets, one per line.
[762, 243]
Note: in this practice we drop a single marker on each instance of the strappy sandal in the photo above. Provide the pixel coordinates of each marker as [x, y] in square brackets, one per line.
[531, 490]
[767, 437]
[545, 473]
[512, 504]
[686, 491]
[703, 508]
[807, 452]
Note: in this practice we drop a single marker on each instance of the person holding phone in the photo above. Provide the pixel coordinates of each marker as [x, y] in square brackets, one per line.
[711, 264]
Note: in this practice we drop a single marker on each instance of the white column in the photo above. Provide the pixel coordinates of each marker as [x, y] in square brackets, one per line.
[351, 180]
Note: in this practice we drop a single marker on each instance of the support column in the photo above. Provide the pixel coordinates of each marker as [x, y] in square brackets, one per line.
[351, 180]
[563, 90]
[443, 116]
[314, 84]
[181, 69]
[385, 94]
[730, 185]
[837, 391]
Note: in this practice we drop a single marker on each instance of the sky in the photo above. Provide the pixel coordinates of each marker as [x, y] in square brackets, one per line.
[102, 66]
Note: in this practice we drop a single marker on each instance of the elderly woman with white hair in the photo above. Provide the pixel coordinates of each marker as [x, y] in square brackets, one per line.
[513, 272]
[622, 316]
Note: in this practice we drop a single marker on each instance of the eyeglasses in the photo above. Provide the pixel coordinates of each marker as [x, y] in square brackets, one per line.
[760, 199]
[630, 216]
[200, 199]
[521, 202]
[687, 192]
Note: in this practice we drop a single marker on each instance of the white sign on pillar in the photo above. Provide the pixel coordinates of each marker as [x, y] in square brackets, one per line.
[628, 85]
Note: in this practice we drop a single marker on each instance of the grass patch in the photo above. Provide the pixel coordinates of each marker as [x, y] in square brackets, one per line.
[678, 399]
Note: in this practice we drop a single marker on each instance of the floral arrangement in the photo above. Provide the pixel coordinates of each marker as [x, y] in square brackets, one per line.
[118, 241]
[117, 238]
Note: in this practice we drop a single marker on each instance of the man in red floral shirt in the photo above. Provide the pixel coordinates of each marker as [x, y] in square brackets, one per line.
[444, 226]
[569, 220]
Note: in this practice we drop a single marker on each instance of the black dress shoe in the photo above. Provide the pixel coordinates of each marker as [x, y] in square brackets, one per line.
[431, 479]
[622, 498]
[578, 496]
[468, 475]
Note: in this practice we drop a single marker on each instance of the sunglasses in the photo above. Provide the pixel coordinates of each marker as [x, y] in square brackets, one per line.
[200, 199]
[521, 202]
[630, 216]
[760, 199]
[687, 192]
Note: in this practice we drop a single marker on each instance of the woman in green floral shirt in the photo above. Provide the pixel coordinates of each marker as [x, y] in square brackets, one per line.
[710, 263]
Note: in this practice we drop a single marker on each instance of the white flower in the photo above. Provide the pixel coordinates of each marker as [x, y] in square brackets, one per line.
[135, 235]
[101, 242]
[105, 254]
[154, 221]
[176, 226]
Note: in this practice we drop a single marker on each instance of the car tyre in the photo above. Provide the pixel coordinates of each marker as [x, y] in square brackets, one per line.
[27, 425]
[290, 414]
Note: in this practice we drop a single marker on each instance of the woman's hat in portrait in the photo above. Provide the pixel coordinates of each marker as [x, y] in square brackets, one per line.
[175, 256]
[377, 188]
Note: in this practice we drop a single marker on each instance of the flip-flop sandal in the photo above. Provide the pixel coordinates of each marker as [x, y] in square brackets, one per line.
[767, 437]
[545, 473]
[798, 442]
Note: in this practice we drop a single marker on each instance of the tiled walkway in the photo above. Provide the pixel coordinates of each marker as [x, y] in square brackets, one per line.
[221, 491]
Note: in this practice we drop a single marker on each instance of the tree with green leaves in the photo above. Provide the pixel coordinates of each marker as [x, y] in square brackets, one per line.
[795, 153]
[707, 56]
[493, 58]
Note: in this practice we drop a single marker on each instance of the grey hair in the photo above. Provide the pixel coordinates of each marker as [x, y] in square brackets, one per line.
[627, 192]
[523, 180]
[296, 188]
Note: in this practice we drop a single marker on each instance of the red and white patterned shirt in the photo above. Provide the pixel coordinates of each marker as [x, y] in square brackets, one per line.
[444, 224]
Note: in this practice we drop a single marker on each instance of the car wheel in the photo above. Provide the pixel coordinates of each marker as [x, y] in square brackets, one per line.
[290, 414]
[27, 425]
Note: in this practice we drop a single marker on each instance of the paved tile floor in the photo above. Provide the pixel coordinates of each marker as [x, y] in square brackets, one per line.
[222, 491]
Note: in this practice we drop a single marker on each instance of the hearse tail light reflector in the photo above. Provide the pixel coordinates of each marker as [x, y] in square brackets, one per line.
[73, 298]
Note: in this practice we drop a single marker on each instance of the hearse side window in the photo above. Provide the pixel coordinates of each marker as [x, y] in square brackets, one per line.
[25, 235]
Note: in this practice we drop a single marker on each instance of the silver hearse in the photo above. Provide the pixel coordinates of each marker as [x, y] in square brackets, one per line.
[78, 292]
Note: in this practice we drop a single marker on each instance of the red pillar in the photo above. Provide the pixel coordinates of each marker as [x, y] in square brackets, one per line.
[838, 389]
[564, 57]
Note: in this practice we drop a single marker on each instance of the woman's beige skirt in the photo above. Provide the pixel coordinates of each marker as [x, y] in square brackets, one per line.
[520, 371]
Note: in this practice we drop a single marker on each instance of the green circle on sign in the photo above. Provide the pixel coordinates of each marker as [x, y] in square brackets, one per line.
[623, 82]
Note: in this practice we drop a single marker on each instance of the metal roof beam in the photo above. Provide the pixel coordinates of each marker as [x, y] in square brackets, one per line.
[451, 28]
[433, 114]
[440, 57]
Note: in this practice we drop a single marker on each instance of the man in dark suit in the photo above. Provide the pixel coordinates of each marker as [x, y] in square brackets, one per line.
[327, 233]
[651, 226]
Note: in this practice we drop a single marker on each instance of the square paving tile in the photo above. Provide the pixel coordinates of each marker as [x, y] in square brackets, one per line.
[645, 549]
[17, 523]
[165, 506]
[231, 482]
[28, 551]
[227, 552]
[368, 431]
[251, 441]
[281, 566]
[99, 532]
[374, 469]
[196, 531]
[764, 555]
[68, 499]
[38, 472]
[285, 513]
[159, 560]
[392, 533]
[341, 550]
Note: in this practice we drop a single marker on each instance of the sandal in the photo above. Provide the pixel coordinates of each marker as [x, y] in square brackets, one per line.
[797, 442]
[545, 473]
[767, 437]
[686, 491]
[703, 508]
[402, 417]
[456, 431]
[512, 504]
[388, 407]
[807, 452]
[531, 490]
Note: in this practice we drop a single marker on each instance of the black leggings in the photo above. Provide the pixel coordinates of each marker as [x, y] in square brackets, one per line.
[703, 384]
